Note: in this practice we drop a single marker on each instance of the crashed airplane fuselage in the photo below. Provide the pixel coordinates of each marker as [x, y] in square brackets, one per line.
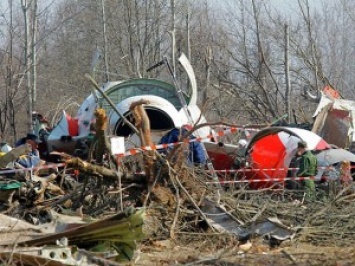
[165, 107]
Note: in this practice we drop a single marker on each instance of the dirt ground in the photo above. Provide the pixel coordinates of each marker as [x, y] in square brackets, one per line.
[211, 250]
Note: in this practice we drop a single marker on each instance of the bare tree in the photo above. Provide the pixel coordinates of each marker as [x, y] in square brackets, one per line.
[26, 8]
[104, 35]
[237, 49]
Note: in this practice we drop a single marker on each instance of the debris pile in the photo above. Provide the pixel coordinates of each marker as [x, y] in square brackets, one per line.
[98, 211]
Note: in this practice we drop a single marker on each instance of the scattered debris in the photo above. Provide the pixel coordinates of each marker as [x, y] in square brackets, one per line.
[99, 208]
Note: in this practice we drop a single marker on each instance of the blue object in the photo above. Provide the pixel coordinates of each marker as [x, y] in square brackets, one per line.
[196, 151]
[30, 160]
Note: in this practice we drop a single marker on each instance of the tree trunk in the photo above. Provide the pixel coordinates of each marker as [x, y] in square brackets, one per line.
[287, 76]
[34, 33]
[27, 63]
[107, 75]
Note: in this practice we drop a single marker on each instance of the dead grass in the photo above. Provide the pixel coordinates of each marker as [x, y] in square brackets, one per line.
[223, 250]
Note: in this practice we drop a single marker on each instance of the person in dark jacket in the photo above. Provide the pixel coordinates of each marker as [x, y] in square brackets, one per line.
[307, 168]
[196, 152]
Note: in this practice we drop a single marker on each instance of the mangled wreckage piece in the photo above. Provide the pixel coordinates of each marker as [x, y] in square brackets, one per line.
[13, 230]
[7, 190]
[334, 118]
[50, 256]
[225, 222]
[13, 154]
[56, 255]
[19, 195]
[273, 228]
[118, 233]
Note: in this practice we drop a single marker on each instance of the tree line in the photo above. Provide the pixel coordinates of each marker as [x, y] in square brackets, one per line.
[252, 61]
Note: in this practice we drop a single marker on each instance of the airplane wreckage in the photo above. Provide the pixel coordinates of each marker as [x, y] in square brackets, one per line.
[168, 107]
[138, 185]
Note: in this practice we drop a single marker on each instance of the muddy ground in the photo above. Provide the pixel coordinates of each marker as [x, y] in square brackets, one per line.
[213, 250]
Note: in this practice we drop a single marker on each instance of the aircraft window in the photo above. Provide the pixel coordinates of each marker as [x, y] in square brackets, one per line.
[123, 92]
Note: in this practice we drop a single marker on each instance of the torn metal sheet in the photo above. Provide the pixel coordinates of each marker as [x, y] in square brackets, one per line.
[226, 223]
[336, 127]
[13, 230]
[221, 220]
[49, 255]
[119, 232]
[14, 154]
[274, 228]
[64, 222]
[335, 120]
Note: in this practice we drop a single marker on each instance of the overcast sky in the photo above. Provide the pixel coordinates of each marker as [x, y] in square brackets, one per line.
[288, 6]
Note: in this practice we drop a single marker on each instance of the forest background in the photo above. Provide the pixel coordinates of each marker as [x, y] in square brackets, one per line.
[254, 62]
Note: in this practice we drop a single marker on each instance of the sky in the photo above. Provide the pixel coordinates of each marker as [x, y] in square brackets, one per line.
[288, 6]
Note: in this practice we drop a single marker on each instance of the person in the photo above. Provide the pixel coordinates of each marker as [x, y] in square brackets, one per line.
[307, 168]
[345, 175]
[196, 153]
[32, 159]
[239, 160]
[292, 172]
[328, 177]
[82, 147]
[242, 145]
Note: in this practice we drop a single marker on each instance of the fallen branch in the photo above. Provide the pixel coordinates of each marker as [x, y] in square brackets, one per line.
[92, 170]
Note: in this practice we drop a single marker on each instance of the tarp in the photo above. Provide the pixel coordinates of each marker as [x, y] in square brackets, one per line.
[271, 150]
